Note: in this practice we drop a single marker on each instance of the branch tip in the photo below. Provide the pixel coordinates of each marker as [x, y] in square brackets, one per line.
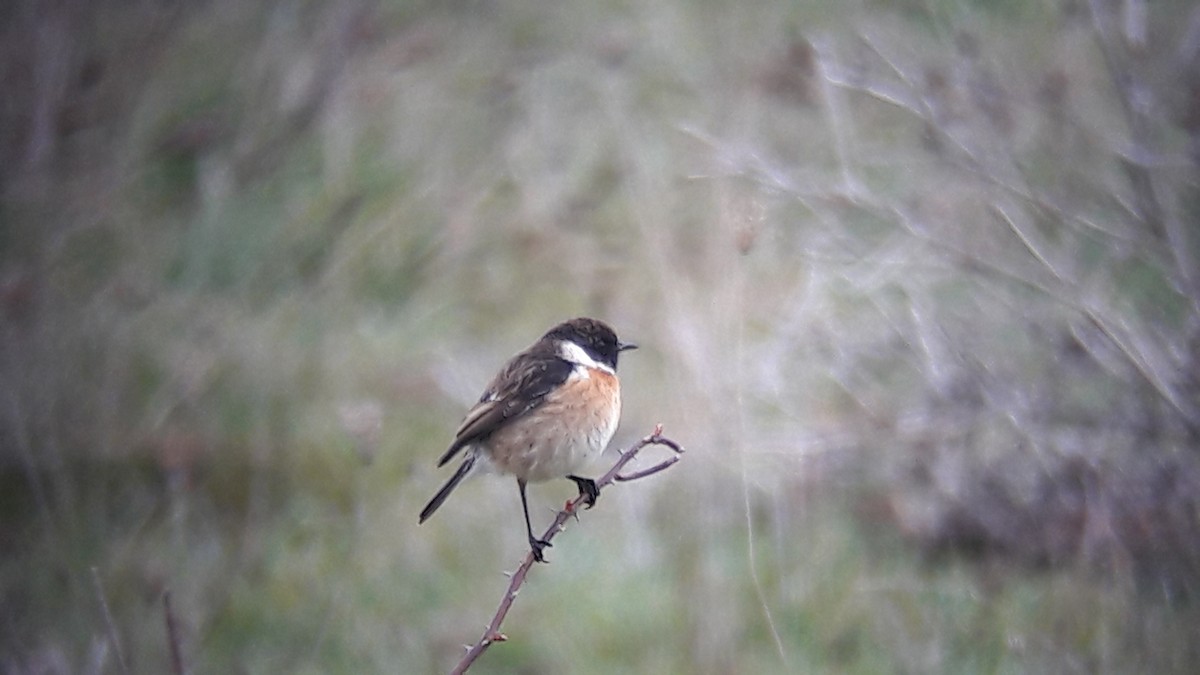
[624, 478]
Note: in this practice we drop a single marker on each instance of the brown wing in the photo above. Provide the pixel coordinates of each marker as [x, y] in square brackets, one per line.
[519, 388]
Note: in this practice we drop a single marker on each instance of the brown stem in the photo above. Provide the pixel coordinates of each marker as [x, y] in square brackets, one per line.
[636, 475]
[492, 634]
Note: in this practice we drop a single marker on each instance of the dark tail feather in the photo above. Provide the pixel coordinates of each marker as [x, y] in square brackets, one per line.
[451, 452]
[447, 488]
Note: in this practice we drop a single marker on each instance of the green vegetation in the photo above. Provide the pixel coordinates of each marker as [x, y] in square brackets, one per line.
[915, 284]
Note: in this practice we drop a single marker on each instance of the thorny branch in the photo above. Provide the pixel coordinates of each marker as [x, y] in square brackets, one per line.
[492, 634]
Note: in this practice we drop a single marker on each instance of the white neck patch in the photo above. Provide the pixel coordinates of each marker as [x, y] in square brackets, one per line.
[573, 353]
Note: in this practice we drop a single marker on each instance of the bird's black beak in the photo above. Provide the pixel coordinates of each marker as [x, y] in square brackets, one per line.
[625, 346]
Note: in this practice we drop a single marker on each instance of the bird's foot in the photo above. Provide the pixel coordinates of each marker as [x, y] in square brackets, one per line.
[536, 546]
[587, 490]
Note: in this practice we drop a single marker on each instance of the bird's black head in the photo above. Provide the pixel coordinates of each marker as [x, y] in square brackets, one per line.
[595, 337]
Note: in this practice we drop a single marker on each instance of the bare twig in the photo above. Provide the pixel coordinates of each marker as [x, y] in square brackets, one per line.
[1013, 218]
[636, 475]
[492, 634]
[109, 625]
[172, 636]
[1137, 102]
[836, 116]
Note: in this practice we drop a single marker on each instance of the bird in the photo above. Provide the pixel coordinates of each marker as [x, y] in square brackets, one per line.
[548, 412]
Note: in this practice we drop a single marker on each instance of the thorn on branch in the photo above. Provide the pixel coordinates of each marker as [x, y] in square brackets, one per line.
[624, 478]
[571, 509]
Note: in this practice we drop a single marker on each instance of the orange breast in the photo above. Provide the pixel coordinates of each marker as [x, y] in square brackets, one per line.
[571, 427]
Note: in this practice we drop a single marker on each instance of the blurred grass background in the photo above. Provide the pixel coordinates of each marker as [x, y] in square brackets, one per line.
[916, 284]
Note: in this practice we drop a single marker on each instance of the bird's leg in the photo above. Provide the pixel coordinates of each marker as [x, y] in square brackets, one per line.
[587, 490]
[534, 543]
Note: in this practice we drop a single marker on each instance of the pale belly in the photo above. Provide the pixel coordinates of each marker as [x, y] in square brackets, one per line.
[552, 442]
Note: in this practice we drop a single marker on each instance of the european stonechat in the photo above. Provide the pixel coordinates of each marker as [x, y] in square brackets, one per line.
[547, 413]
